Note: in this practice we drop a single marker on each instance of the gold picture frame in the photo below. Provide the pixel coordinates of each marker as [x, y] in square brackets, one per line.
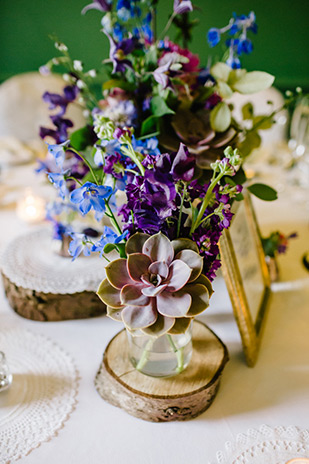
[246, 276]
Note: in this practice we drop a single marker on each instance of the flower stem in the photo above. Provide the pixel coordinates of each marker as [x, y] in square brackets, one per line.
[145, 355]
[112, 218]
[129, 151]
[180, 210]
[86, 162]
[178, 352]
[168, 25]
[206, 201]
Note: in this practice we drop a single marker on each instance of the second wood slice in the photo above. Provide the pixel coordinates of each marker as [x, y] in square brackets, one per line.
[181, 397]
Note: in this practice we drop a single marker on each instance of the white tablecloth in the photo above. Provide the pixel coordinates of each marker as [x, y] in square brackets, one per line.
[275, 392]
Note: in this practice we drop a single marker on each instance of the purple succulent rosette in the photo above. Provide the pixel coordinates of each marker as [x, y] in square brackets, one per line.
[159, 288]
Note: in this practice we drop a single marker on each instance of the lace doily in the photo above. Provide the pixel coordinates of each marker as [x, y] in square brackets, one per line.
[30, 261]
[42, 395]
[266, 445]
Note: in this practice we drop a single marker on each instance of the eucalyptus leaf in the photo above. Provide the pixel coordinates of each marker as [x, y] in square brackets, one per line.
[224, 90]
[264, 192]
[220, 117]
[220, 71]
[252, 82]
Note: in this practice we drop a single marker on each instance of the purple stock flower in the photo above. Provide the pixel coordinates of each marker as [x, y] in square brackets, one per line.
[182, 6]
[183, 165]
[55, 100]
[90, 196]
[101, 5]
[60, 134]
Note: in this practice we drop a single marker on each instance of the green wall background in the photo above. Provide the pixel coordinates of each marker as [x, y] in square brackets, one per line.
[280, 47]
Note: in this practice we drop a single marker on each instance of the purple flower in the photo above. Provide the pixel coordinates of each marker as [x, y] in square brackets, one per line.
[90, 196]
[101, 5]
[182, 6]
[118, 51]
[55, 100]
[60, 134]
[160, 74]
[183, 165]
[119, 133]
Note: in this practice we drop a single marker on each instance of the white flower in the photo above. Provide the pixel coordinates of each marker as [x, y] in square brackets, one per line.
[77, 65]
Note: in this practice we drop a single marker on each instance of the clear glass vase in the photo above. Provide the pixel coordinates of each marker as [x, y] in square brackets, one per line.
[163, 356]
[5, 374]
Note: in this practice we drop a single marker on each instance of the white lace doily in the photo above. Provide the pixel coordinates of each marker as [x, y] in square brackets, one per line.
[30, 261]
[266, 446]
[42, 395]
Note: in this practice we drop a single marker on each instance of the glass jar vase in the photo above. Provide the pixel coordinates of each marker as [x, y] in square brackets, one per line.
[163, 356]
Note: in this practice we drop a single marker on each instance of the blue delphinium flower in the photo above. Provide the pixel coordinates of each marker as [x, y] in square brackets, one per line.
[109, 236]
[79, 243]
[90, 196]
[58, 152]
[238, 28]
[147, 146]
[58, 180]
[213, 36]
[107, 147]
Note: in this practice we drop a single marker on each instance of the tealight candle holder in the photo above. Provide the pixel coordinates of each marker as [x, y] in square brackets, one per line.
[31, 207]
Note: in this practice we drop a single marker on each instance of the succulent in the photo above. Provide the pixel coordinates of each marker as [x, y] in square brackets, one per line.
[159, 288]
[194, 130]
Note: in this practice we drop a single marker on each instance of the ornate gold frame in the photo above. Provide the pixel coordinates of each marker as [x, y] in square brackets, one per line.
[250, 330]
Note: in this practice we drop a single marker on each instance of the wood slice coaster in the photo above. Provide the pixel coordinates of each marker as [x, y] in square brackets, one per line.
[44, 286]
[181, 397]
[40, 306]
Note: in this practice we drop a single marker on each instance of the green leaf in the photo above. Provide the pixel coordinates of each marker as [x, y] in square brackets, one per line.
[240, 177]
[148, 125]
[253, 82]
[112, 83]
[264, 192]
[151, 56]
[220, 117]
[81, 138]
[159, 107]
[109, 247]
[252, 141]
[247, 111]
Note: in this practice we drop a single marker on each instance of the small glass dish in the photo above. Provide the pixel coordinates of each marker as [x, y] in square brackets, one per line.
[5, 374]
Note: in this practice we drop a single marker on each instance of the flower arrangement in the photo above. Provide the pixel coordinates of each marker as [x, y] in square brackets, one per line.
[164, 135]
[276, 243]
